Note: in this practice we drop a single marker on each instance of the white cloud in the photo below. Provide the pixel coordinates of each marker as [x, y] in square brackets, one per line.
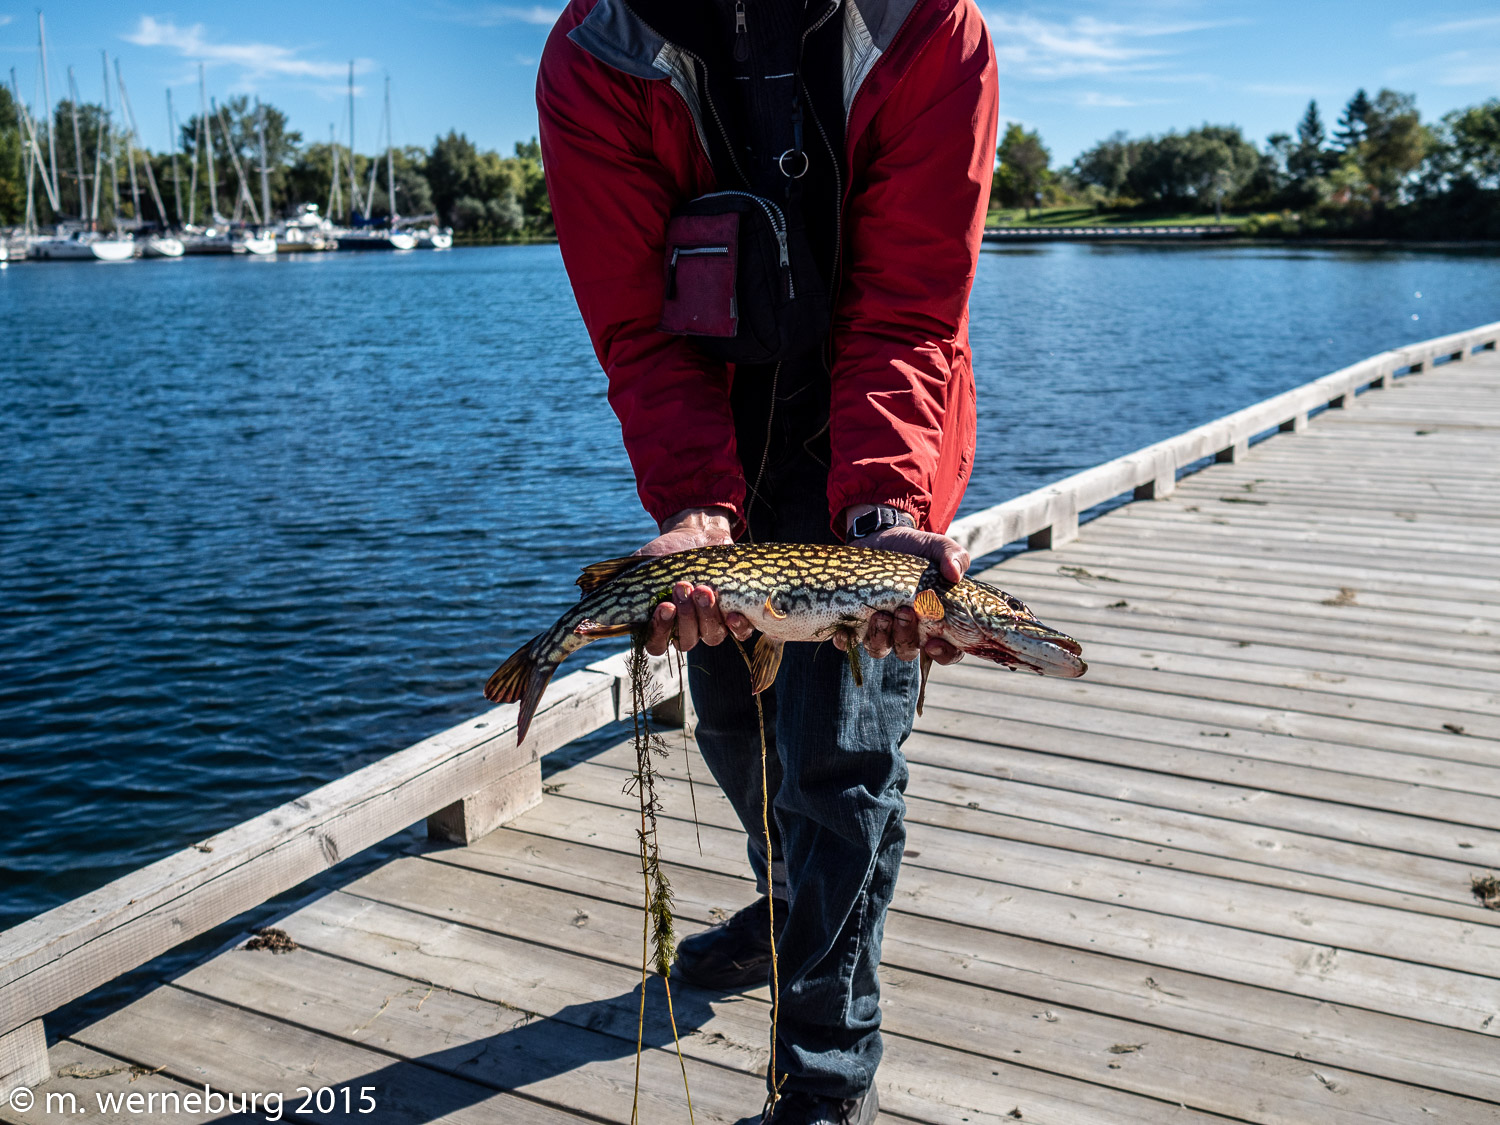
[5, 20]
[1028, 46]
[1286, 89]
[492, 15]
[1456, 68]
[1450, 27]
[256, 59]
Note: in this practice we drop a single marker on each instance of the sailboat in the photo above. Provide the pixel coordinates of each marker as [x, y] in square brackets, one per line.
[72, 241]
[158, 241]
[365, 235]
[221, 235]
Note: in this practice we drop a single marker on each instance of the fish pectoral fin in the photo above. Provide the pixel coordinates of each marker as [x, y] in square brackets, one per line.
[597, 574]
[926, 665]
[779, 614]
[596, 632]
[929, 606]
[765, 663]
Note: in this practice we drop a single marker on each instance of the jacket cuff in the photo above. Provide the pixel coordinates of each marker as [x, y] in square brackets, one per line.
[724, 493]
[915, 505]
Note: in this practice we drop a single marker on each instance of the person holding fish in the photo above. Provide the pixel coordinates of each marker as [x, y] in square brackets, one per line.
[770, 212]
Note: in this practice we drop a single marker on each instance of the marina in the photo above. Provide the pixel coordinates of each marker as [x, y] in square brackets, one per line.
[84, 230]
[1238, 872]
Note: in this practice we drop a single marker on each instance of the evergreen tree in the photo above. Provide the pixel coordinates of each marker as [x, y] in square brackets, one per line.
[1308, 157]
[1353, 122]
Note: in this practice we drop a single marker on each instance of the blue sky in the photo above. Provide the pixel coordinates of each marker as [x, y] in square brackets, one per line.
[1075, 71]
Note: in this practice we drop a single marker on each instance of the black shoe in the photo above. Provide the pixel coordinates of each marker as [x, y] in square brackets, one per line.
[735, 954]
[796, 1108]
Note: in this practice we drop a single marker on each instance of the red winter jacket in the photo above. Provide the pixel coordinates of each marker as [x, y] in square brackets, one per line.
[621, 144]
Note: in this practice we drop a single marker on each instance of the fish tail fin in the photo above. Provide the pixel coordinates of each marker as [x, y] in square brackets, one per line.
[522, 679]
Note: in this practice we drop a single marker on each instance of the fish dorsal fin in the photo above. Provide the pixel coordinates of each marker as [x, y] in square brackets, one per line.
[597, 574]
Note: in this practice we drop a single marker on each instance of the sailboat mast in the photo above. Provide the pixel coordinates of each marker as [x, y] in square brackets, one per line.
[135, 187]
[41, 34]
[108, 142]
[26, 152]
[208, 148]
[353, 174]
[244, 196]
[265, 175]
[334, 195]
[83, 195]
[135, 131]
[176, 178]
[390, 160]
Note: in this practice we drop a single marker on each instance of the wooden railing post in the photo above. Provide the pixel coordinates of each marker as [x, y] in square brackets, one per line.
[1294, 425]
[487, 808]
[23, 1059]
[1232, 453]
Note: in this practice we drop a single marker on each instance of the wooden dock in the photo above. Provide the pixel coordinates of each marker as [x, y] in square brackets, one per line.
[1228, 876]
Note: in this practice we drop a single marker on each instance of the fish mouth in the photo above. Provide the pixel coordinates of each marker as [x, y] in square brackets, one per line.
[1048, 654]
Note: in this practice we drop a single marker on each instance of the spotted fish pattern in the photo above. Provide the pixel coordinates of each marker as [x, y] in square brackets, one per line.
[789, 592]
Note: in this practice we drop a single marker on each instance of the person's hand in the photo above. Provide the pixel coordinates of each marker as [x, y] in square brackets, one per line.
[693, 610]
[898, 632]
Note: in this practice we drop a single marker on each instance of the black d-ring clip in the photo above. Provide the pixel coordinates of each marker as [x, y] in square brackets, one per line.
[797, 175]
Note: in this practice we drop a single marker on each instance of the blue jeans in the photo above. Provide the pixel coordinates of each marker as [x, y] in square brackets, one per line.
[836, 776]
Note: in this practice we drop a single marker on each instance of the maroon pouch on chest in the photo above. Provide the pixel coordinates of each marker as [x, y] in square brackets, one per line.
[701, 262]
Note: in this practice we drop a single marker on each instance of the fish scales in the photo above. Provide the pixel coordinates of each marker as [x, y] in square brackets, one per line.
[790, 592]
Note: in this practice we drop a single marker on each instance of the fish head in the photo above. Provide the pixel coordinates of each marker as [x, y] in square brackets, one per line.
[988, 622]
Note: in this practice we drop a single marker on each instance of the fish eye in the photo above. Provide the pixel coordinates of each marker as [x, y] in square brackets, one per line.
[1016, 605]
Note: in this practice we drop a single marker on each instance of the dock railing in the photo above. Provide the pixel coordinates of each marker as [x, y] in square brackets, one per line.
[470, 779]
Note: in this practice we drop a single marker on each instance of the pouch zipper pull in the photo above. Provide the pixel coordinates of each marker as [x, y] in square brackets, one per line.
[781, 246]
[741, 39]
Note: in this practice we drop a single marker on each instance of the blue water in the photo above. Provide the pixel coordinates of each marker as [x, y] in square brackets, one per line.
[262, 522]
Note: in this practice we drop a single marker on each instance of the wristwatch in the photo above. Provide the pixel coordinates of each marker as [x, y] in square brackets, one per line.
[881, 517]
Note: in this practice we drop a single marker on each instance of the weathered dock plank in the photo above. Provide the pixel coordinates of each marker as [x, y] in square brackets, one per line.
[1225, 877]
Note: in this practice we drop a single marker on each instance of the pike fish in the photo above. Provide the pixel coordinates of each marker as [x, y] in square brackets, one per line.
[789, 592]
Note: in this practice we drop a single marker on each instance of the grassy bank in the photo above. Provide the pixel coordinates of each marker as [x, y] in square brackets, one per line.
[1089, 217]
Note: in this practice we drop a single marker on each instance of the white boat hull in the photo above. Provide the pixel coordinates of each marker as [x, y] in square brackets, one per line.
[83, 250]
[162, 247]
[377, 240]
[435, 240]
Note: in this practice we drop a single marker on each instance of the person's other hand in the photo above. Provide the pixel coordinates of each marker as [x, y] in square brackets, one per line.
[898, 632]
[693, 610]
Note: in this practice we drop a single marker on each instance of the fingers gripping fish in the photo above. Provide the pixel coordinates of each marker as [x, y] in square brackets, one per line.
[789, 592]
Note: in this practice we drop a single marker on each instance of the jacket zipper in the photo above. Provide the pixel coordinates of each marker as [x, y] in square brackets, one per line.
[838, 194]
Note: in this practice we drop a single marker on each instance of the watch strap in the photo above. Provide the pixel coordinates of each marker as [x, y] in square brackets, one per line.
[878, 519]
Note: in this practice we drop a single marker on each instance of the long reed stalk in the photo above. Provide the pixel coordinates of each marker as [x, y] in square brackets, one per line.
[658, 941]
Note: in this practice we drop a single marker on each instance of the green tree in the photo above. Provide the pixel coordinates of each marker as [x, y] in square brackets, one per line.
[1352, 124]
[1023, 170]
[413, 192]
[243, 139]
[1308, 158]
[1473, 138]
[1107, 165]
[1202, 167]
[12, 167]
[1394, 144]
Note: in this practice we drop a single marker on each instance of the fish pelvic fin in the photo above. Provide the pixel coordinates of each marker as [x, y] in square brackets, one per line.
[596, 632]
[929, 606]
[765, 663]
[522, 679]
[926, 665]
[601, 573]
